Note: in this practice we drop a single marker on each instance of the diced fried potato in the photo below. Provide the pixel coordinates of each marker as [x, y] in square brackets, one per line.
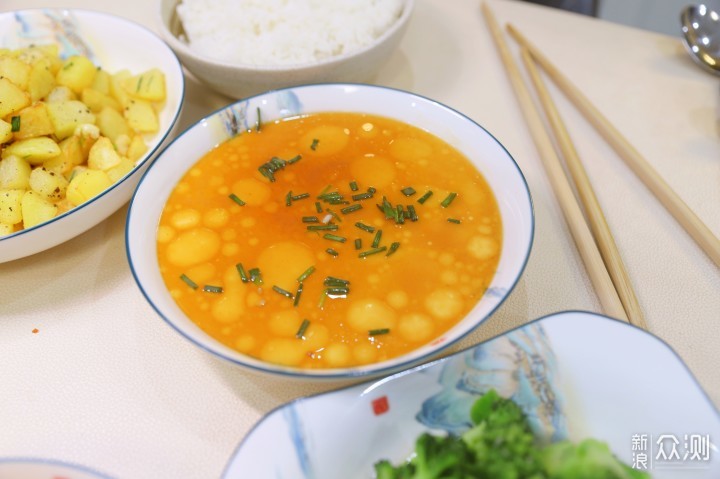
[149, 85]
[88, 135]
[112, 124]
[48, 54]
[86, 185]
[17, 71]
[10, 206]
[34, 121]
[103, 155]
[77, 73]
[14, 173]
[48, 184]
[66, 116]
[41, 80]
[137, 148]
[71, 155]
[12, 98]
[116, 89]
[34, 150]
[60, 93]
[141, 116]
[6, 229]
[96, 100]
[121, 169]
[36, 209]
[122, 144]
[101, 82]
[6, 133]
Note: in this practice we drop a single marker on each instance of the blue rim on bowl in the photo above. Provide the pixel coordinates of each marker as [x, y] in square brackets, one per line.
[155, 186]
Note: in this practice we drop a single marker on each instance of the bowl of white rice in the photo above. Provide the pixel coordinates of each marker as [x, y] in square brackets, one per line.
[244, 47]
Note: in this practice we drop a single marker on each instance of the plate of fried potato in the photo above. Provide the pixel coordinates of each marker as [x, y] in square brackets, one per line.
[86, 100]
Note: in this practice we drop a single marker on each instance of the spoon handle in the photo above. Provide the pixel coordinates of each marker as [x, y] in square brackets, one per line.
[632, 157]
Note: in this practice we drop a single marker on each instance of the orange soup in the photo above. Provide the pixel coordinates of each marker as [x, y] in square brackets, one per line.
[329, 240]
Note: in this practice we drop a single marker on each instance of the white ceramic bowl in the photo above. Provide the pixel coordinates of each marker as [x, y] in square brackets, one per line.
[486, 153]
[114, 43]
[557, 368]
[242, 80]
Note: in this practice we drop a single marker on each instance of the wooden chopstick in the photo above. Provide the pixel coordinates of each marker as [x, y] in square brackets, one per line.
[633, 159]
[584, 241]
[594, 214]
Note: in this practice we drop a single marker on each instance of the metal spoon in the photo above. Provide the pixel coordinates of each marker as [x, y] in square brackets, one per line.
[701, 35]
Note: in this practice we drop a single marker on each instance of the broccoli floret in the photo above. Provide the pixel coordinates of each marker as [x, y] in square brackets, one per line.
[435, 457]
[590, 459]
[501, 445]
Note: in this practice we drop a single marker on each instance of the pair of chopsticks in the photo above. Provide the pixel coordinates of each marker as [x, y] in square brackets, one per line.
[593, 237]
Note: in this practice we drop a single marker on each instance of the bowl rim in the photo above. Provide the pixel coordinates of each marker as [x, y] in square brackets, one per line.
[370, 370]
[149, 155]
[185, 49]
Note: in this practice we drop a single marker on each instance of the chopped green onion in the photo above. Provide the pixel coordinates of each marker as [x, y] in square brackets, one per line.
[305, 275]
[364, 227]
[323, 297]
[400, 216]
[337, 292]
[208, 288]
[323, 228]
[267, 173]
[353, 186]
[371, 190]
[393, 247]
[413, 213]
[15, 123]
[387, 208]
[310, 219]
[351, 208]
[236, 199]
[299, 291]
[376, 239]
[333, 281]
[303, 327]
[332, 237]
[256, 276]
[188, 281]
[294, 159]
[454, 220]
[358, 243]
[409, 191]
[314, 144]
[362, 196]
[425, 197]
[372, 251]
[334, 215]
[301, 196]
[331, 252]
[318, 207]
[283, 292]
[288, 198]
[378, 332]
[259, 118]
[241, 272]
[448, 199]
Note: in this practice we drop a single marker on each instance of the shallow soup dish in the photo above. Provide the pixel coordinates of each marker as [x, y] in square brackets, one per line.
[330, 231]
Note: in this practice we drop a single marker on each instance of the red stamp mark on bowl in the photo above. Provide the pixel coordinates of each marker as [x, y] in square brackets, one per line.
[380, 405]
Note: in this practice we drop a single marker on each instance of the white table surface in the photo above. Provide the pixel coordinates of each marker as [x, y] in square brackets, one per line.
[107, 384]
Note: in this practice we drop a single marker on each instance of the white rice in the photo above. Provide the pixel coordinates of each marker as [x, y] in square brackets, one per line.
[282, 32]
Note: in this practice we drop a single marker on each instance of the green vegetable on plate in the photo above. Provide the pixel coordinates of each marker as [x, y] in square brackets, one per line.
[501, 445]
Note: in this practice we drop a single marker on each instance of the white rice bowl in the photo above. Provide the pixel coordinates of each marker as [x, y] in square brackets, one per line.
[283, 32]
